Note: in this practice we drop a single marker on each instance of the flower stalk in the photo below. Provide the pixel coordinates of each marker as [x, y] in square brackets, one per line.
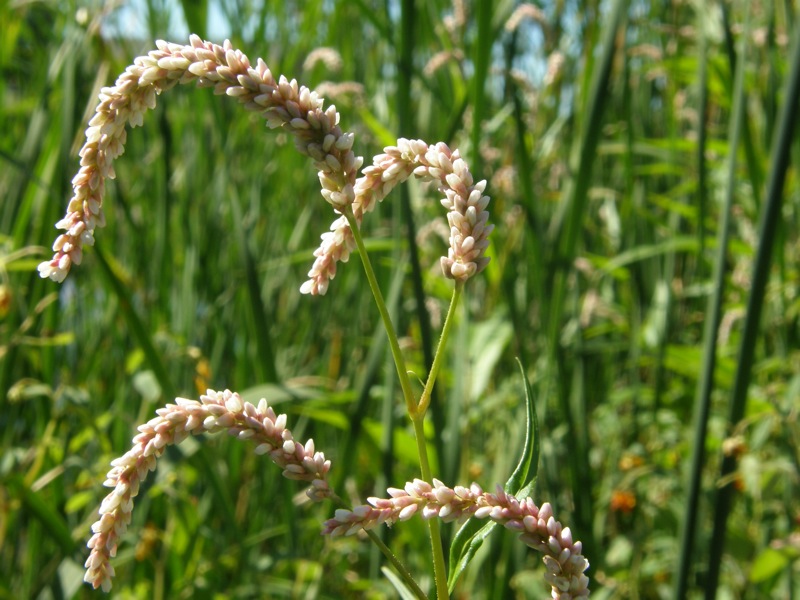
[394, 344]
[425, 399]
[417, 415]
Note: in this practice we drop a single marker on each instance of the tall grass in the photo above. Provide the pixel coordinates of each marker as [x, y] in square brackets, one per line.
[611, 177]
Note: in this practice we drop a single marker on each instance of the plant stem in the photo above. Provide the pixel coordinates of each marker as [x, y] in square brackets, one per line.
[425, 400]
[399, 361]
[399, 567]
[713, 318]
[769, 221]
[416, 412]
[439, 568]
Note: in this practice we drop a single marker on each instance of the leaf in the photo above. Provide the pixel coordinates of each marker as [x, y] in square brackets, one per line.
[768, 564]
[196, 15]
[51, 520]
[465, 544]
[522, 476]
[521, 483]
[399, 584]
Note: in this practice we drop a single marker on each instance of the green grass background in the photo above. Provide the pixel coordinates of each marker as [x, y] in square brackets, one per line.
[644, 268]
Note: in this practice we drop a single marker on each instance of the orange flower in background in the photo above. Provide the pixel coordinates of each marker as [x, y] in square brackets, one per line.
[623, 501]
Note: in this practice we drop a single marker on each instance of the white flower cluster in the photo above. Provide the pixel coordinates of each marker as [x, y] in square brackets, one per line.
[216, 411]
[536, 526]
[464, 200]
[281, 102]
[317, 134]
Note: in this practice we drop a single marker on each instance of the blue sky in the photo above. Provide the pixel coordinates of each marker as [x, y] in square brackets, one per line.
[131, 20]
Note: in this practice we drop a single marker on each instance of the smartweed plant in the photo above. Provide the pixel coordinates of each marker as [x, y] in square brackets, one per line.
[317, 134]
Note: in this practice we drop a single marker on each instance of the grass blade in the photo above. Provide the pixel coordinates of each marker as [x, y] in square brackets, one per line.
[566, 241]
[770, 216]
[474, 532]
[136, 325]
[713, 317]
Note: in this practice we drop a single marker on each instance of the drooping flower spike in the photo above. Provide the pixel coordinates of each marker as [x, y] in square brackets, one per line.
[317, 134]
[536, 526]
[281, 102]
[216, 411]
[464, 200]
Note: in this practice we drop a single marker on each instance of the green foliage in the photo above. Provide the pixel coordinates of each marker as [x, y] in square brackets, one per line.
[602, 265]
[473, 533]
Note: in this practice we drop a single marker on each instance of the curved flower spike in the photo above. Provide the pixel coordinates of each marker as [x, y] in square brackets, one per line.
[281, 102]
[285, 104]
[464, 200]
[216, 411]
[536, 526]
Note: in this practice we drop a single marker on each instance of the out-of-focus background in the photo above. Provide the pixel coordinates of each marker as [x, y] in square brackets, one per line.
[605, 130]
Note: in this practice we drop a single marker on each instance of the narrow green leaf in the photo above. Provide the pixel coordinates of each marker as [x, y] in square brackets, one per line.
[465, 544]
[196, 14]
[769, 220]
[528, 467]
[265, 367]
[473, 533]
[713, 319]
[53, 523]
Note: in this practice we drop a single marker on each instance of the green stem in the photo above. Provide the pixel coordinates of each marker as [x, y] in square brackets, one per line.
[399, 567]
[713, 318]
[416, 412]
[399, 361]
[769, 221]
[425, 400]
[439, 568]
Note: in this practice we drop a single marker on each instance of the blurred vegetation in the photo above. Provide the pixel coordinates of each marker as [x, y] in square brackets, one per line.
[610, 136]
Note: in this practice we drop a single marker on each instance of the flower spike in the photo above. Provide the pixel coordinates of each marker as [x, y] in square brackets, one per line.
[216, 411]
[536, 526]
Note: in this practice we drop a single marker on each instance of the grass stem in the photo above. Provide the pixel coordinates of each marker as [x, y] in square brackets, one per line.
[425, 400]
[397, 354]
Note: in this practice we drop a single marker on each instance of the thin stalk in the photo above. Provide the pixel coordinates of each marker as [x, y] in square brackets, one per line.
[439, 567]
[373, 363]
[770, 216]
[265, 366]
[399, 567]
[753, 164]
[417, 417]
[399, 361]
[713, 319]
[425, 400]
[702, 109]
[405, 118]
[481, 58]
[565, 237]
